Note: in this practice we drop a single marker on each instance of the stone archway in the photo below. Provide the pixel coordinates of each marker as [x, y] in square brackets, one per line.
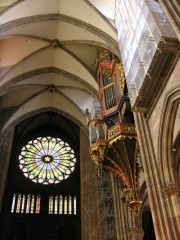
[170, 186]
[168, 118]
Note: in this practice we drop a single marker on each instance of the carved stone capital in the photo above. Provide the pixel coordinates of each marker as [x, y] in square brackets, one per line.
[171, 189]
[135, 233]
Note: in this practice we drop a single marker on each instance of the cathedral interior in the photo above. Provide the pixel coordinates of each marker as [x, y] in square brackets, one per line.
[89, 120]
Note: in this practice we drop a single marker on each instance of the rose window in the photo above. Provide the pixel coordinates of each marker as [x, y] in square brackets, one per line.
[47, 160]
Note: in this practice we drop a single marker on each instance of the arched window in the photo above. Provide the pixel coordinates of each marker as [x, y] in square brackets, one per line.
[62, 204]
[25, 203]
[47, 160]
[42, 194]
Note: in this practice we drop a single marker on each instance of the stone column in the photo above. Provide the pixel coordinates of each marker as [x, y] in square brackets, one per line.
[120, 216]
[162, 218]
[89, 218]
[126, 222]
[5, 154]
[171, 193]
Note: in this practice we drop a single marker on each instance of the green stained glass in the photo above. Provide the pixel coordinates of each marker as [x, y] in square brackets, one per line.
[47, 160]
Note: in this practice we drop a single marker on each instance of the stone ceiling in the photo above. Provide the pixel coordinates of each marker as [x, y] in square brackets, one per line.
[47, 57]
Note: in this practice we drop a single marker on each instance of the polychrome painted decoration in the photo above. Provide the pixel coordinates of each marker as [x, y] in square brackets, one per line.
[47, 160]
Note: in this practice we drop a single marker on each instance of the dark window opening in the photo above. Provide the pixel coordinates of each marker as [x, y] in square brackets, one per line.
[148, 226]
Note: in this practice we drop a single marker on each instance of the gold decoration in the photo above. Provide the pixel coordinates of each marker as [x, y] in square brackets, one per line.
[107, 71]
[128, 172]
[129, 194]
[101, 55]
[119, 71]
[123, 109]
[97, 151]
[121, 130]
[111, 110]
[132, 200]
[136, 206]
[116, 156]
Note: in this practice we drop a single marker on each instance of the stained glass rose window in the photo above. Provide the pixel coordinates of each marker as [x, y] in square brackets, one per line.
[47, 160]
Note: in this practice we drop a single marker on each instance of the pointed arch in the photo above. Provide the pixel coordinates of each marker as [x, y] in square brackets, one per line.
[166, 131]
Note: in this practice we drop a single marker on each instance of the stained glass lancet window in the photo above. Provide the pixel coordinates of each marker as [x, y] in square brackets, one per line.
[47, 160]
[25, 203]
[62, 204]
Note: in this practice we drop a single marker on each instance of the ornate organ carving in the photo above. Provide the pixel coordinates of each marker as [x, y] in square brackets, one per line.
[113, 138]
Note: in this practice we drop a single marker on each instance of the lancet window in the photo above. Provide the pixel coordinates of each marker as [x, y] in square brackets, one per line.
[60, 204]
[26, 203]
